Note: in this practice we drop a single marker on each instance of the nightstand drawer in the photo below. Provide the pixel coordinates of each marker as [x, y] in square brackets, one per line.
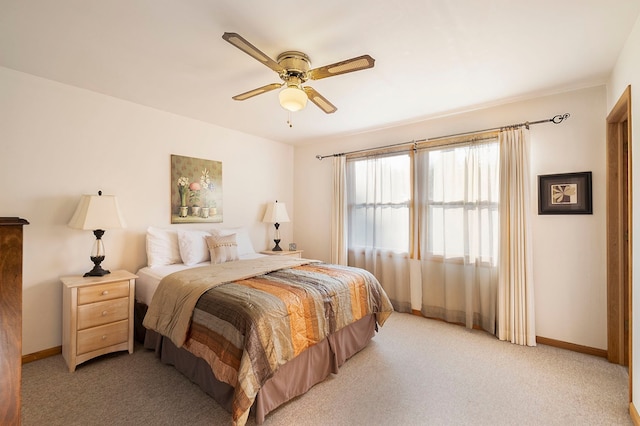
[102, 336]
[99, 313]
[97, 293]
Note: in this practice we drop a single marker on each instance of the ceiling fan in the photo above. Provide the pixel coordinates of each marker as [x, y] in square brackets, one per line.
[293, 68]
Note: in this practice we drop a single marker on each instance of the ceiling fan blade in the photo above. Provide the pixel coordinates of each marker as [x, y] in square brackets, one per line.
[258, 91]
[354, 64]
[320, 101]
[252, 51]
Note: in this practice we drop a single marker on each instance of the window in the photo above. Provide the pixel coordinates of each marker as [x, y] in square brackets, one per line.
[456, 199]
[461, 202]
[379, 201]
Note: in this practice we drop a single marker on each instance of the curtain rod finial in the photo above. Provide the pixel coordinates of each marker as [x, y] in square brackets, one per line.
[560, 118]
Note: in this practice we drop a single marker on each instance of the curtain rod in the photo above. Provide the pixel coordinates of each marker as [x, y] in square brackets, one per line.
[555, 120]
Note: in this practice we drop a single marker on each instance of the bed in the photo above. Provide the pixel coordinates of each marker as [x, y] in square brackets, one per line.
[252, 331]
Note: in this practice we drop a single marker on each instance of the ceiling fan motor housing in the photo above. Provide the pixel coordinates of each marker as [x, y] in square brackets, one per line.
[296, 64]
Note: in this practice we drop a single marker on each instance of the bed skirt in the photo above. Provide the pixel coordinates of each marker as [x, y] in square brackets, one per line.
[291, 380]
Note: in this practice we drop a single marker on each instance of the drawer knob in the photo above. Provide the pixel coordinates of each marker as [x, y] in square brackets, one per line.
[104, 313]
[104, 337]
[104, 293]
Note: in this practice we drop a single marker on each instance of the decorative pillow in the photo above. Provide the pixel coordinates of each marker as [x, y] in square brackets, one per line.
[242, 238]
[222, 248]
[193, 246]
[162, 247]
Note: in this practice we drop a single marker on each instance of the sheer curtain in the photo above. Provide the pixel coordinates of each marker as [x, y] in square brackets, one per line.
[457, 194]
[462, 213]
[516, 321]
[379, 202]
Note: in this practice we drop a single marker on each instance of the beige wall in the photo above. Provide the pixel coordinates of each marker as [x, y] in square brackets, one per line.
[569, 251]
[58, 142]
[625, 73]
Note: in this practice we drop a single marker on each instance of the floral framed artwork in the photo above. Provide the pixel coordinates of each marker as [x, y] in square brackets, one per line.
[196, 190]
[566, 193]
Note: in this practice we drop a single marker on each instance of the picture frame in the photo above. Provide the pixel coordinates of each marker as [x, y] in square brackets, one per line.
[293, 247]
[565, 193]
[196, 190]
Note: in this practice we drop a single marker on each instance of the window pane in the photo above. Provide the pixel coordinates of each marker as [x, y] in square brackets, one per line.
[379, 196]
[453, 232]
[435, 241]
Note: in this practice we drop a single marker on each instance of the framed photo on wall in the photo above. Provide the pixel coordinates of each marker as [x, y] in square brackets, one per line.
[565, 193]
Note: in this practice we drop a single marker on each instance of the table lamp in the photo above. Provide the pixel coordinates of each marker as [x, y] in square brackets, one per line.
[276, 213]
[97, 212]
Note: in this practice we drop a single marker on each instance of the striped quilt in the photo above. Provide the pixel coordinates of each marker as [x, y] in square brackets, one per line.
[246, 329]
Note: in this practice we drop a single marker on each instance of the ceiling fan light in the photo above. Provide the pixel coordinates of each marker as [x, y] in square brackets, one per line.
[293, 98]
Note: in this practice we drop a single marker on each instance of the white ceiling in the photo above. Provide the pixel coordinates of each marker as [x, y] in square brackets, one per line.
[433, 57]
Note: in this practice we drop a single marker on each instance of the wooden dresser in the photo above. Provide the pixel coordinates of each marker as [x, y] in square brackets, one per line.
[10, 318]
[97, 316]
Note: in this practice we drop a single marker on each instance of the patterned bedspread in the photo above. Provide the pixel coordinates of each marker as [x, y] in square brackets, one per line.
[246, 329]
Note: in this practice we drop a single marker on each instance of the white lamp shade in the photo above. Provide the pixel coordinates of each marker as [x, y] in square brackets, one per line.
[97, 212]
[292, 98]
[276, 213]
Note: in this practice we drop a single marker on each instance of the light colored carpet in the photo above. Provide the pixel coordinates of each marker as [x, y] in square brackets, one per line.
[414, 372]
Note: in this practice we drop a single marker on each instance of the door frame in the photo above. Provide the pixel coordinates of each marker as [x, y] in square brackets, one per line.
[619, 235]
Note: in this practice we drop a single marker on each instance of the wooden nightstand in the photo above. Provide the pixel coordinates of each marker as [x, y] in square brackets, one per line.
[293, 253]
[97, 316]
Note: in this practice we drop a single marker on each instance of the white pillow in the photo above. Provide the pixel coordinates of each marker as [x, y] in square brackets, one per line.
[223, 248]
[162, 247]
[193, 246]
[242, 238]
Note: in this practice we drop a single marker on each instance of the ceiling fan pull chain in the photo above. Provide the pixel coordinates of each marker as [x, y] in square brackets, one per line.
[289, 122]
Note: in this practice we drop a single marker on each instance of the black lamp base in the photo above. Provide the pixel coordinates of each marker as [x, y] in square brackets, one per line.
[277, 247]
[97, 270]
